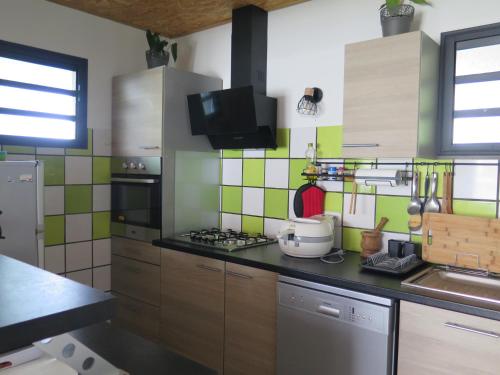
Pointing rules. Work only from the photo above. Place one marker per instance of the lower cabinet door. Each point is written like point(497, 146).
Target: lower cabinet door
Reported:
point(192, 308)
point(434, 341)
point(137, 317)
point(250, 345)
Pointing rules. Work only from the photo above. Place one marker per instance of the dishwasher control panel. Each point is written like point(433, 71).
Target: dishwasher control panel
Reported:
point(331, 306)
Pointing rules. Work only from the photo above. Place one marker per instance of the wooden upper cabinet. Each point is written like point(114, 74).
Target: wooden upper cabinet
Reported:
point(390, 97)
point(137, 113)
point(250, 345)
point(434, 341)
point(192, 308)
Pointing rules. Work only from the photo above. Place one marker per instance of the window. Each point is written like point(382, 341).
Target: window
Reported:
point(43, 97)
point(470, 91)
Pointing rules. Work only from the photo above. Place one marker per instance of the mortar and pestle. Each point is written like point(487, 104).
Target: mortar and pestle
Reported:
point(371, 240)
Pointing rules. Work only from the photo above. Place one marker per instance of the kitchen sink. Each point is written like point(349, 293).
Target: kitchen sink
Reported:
point(457, 284)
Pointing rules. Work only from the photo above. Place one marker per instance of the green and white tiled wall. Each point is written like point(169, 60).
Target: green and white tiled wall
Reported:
point(77, 208)
point(258, 187)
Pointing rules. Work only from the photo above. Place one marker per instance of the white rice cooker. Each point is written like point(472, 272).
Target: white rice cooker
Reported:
point(307, 238)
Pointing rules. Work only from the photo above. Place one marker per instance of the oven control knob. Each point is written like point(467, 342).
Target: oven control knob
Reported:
point(124, 165)
point(141, 166)
point(132, 165)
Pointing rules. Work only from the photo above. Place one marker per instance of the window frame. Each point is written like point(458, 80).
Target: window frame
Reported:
point(56, 60)
point(447, 81)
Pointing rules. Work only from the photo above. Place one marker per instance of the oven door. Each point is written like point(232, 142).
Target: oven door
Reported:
point(136, 200)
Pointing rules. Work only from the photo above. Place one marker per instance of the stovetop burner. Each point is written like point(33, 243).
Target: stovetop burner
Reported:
point(228, 240)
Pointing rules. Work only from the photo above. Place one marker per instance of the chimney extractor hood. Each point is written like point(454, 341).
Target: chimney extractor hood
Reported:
point(242, 116)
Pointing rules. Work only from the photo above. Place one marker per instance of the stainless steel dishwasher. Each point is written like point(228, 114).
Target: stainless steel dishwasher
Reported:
point(324, 330)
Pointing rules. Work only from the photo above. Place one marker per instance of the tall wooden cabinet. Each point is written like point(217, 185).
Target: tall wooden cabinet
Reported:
point(434, 341)
point(390, 96)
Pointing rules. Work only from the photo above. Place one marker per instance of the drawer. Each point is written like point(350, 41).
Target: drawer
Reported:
point(136, 279)
point(138, 250)
point(138, 317)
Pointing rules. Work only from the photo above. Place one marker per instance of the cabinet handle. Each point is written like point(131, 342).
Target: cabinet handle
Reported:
point(149, 147)
point(240, 275)
point(359, 145)
point(207, 268)
point(472, 330)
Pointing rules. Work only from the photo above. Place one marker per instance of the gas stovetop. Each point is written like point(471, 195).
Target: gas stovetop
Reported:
point(228, 240)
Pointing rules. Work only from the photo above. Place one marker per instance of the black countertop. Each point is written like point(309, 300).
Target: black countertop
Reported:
point(134, 354)
point(345, 275)
point(35, 304)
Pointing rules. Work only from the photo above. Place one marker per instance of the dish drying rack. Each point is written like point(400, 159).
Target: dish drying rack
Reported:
point(383, 262)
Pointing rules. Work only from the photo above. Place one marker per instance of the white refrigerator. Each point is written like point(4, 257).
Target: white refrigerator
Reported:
point(21, 211)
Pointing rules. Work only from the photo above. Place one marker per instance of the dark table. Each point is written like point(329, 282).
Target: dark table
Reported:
point(35, 304)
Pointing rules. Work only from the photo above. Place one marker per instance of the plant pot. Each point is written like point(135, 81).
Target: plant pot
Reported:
point(397, 20)
point(155, 59)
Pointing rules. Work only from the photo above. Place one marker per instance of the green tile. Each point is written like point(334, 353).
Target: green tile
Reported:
point(356, 164)
point(329, 142)
point(351, 239)
point(252, 224)
point(232, 153)
point(474, 208)
point(82, 151)
point(101, 170)
point(394, 208)
point(18, 149)
point(77, 199)
point(231, 199)
point(296, 168)
point(101, 222)
point(54, 169)
point(423, 171)
point(54, 230)
point(417, 238)
point(276, 203)
point(253, 172)
point(283, 149)
point(334, 202)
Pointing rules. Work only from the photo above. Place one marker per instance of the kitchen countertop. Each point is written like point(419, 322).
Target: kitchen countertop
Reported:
point(134, 354)
point(35, 304)
point(346, 275)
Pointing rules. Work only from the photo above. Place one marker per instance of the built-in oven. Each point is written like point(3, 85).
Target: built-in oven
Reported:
point(136, 199)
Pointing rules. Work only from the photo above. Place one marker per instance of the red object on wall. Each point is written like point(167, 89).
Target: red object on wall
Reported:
point(309, 201)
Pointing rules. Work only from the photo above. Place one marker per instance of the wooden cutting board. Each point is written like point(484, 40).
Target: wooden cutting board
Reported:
point(463, 241)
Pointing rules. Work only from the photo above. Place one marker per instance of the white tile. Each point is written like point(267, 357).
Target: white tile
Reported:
point(337, 228)
point(291, 197)
point(253, 201)
point(101, 250)
point(54, 200)
point(101, 142)
point(49, 151)
point(272, 227)
point(78, 256)
point(231, 221)
point(475, 182)
point(20, 157)
point(54, 259)
point(102, 278)
point(78, 227)
point(386, 236)
point(78, 170)
point(404, 190)
point(101, 197)
point(299, 138)
point(232, 170)
point(83, 277)
point(277, 173)
point(253, 153)
point(365, 212)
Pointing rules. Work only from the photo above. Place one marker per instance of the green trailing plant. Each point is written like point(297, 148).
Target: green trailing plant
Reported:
point(392, 5)
point(160, 46)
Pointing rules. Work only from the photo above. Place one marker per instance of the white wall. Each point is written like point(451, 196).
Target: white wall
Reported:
point(306, 47)
point(111, 48)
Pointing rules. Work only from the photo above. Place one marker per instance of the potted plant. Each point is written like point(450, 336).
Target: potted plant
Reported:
point(158, 54)
point(396, 16)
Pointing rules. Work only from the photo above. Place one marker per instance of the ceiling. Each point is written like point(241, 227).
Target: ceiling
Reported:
point(171, 18)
